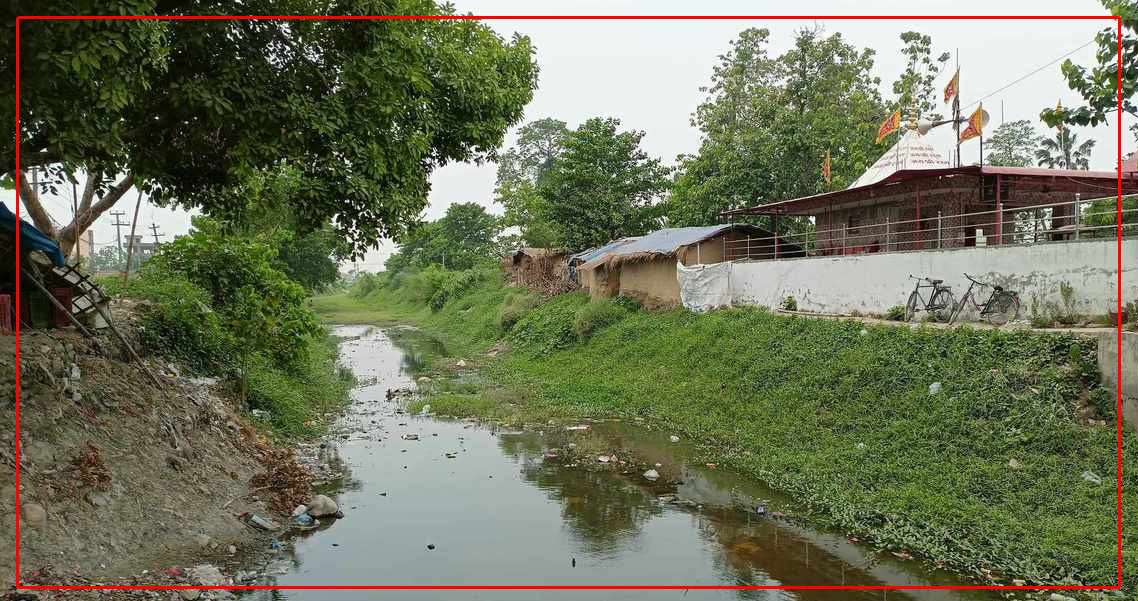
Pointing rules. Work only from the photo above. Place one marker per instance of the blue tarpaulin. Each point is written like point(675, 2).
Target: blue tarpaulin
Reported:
point(30, 237)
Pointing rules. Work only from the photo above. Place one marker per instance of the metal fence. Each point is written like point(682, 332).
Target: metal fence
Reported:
point(1050, 223)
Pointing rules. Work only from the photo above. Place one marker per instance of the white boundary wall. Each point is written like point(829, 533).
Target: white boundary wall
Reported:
point(872, 283)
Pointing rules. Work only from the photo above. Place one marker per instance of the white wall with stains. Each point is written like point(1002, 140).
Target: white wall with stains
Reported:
point(873, 283)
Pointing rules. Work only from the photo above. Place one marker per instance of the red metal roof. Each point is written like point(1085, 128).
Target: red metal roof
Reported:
point(1105, 180)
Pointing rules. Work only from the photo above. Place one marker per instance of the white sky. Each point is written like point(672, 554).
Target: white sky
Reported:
point(648, 73)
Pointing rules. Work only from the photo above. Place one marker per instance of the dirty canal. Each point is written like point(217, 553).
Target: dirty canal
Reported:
point(468, 504)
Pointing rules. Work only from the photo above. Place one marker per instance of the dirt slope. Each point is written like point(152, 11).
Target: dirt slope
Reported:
point(130, 476)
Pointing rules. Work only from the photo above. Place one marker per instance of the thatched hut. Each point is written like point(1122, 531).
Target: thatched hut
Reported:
point(645, 268)
point(542, 269)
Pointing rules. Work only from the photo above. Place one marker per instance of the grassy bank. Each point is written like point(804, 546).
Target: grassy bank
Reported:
point(962, 446)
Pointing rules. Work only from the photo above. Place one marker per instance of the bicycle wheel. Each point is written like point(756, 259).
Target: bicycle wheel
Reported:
point(942, 305)
point(1003, 307)
point(912, 306)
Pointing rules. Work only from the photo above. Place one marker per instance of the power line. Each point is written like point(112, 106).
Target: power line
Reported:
point(1042, 67)
point(119, 224)
point(154, 231)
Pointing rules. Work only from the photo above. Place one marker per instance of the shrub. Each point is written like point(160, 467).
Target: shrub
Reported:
point(596, 315)
point(517, 304)
point(179, 322)
point(550, 326)
point(895, 313)
point(789, 304)
point(452, 286)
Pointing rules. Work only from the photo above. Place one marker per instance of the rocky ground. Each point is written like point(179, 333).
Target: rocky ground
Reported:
point(125, 480)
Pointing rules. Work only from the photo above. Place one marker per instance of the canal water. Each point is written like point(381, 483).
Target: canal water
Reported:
point(469, 504)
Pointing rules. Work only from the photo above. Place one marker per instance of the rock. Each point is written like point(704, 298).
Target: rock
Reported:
point(604, 458)
point(206, 575)
point(98, 499)
point(321, 505)
point(232, 549)
point(190, 593)
point(934, 388)
point(674, 438)
point(1092, 477)
point(431, 547)
point(33, 514)
point(1015, 464)
point(460, 363)
point(1058, 597)
point(651, 474)
point(39, 453)
point(202, 540)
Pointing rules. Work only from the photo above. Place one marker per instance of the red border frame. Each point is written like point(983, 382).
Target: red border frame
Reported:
point(1118, 168)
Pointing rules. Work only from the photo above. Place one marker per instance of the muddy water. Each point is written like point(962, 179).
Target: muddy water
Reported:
point(502, 511)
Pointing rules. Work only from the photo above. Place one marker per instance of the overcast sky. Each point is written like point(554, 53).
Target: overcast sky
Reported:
point(648, 73)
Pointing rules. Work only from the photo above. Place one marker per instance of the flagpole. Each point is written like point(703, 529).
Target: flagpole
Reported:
point(956, 108)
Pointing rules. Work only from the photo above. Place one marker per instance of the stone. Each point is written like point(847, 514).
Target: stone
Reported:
point(651, 474)
point(33, 514)
point(98, 499)
point(190, 594)
point(201, 540)
point(1015, 464)
point(674, 438)
point(39, 453)
point(321, 505)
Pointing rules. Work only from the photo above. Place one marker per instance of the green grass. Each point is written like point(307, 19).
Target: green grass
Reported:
point(842, 420)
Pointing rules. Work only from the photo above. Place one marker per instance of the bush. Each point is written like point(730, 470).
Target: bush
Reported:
point(596, 315)
point(452, 286)
point(298, 397)
point(179, 322)
point(789, 304)
point(895, 313)
point(365, 284)
point(550, 326)
point(517, 304)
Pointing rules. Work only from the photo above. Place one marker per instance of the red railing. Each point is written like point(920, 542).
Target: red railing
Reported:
point(1058, 222)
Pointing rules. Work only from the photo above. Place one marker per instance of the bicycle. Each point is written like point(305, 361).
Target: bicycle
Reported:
point(1001, 307)
point(940, 304)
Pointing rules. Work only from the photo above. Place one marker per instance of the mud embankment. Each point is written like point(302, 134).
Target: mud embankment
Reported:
point(123, 481)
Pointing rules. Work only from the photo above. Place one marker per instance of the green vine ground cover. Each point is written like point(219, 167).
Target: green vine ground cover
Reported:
point(984, 476)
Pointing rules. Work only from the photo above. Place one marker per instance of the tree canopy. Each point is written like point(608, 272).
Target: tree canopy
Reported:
point(1064, 151)
point(768, 122)
point(915, 87)
point(462, 238)
point(1013, 144)
point(192, 111)
point(520, 170)
point(1098, 84)
point(601, 186)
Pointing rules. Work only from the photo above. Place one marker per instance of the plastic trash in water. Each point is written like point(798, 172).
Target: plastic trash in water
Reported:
point(761, 509)
point(275, 545)
point(304, 521)
point(409, 436)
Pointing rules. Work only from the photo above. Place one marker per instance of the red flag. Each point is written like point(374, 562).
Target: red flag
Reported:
point(890, 125)
point(975, 127)
point(953, 87)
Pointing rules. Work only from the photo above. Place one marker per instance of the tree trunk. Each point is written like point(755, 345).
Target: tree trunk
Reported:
point(31, 198)
point(90, 211)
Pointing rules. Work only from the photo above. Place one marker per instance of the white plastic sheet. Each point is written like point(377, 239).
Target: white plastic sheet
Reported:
point(705, 287)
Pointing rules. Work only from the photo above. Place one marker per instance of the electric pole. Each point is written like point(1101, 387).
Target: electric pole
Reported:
point(154, 231)
point(119, 224)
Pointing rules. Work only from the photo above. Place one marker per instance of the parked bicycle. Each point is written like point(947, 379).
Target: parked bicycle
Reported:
point(1001, 307)
point(940, 304)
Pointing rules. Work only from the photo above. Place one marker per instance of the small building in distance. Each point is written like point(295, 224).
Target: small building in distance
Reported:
point(644, 268)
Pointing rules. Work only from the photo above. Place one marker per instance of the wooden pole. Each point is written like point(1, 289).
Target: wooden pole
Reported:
point(130, 242)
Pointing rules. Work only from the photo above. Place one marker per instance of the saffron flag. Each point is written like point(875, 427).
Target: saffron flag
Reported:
point(826, 167)
point(890, 125)
point(953, 87)
point(975, 127)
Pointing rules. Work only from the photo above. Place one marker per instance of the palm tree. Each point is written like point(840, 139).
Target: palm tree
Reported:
point(1064, 151)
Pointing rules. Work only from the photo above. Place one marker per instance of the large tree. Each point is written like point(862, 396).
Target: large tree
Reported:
point(520, 169)
point(1013, 144)
point(191, 111)
point(915, 88)
point(602, 186)
point(1098, 84)
point(768, 122)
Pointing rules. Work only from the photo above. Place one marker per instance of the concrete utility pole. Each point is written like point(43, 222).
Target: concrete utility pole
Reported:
point(119, 224)
point(154, 231)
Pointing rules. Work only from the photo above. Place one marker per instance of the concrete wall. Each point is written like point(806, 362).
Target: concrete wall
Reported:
point(873, 283)
point(1108, 367)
